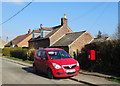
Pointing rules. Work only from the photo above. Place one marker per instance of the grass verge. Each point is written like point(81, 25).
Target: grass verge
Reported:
point(115, 79)
point(17, 59)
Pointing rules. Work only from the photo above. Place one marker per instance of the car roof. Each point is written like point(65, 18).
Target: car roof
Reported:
point(51, 49)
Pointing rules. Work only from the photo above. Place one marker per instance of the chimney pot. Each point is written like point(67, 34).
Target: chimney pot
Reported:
point(64, 20)
point(40, 25)
point(65, 16)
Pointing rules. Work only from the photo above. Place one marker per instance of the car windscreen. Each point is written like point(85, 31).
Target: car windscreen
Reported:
point(58, 54)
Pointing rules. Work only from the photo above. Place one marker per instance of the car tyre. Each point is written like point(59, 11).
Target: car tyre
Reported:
point(35, 69)
point(50, 74)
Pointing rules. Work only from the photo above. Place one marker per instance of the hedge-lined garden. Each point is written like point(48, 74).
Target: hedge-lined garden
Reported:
point(107, 57)
point(18, 52)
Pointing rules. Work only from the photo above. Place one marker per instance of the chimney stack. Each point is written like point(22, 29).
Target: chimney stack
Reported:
point(29, 31)
point(33, 34)
point(64, 20)
point(41, 31)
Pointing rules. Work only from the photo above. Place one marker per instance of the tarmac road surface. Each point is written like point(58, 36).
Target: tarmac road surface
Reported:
point(13, 73)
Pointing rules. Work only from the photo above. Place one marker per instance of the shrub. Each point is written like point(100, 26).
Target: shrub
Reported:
point(107, 57)
point(31, 54)
point(6, 51)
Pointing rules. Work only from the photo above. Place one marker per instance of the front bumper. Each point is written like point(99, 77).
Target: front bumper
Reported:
point(62, 72)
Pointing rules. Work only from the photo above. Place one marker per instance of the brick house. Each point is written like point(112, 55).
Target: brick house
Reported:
point(61, 36)
point(74, 41)
point(22, 40)
point(55, 33)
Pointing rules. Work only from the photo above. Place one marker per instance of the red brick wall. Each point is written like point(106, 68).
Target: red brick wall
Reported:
point(63, 30)
point(39, 44)
point(80, 42)
point(25, 41)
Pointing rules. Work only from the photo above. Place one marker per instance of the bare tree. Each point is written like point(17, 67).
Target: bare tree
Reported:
point(115, 36)
point(99, 34)
point(102, 35)
point(119, 31)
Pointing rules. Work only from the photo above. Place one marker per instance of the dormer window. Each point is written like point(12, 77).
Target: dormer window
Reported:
point(35, 34)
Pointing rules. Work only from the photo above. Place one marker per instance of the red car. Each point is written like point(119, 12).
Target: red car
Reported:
point(55, 62)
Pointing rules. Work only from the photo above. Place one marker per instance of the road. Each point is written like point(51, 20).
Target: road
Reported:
point(13, 73)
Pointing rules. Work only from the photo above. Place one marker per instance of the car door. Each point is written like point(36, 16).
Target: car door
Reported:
point(38, 60)
point(44, 61)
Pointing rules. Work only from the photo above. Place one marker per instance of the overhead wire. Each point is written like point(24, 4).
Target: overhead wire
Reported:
point(92, 11)
point(87, 12)
point(99, 16)
point(16, 13)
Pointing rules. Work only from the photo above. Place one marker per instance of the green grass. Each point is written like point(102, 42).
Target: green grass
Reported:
point(115, 79)
point(17, 59)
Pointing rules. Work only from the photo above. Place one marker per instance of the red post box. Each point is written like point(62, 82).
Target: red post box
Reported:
point(91, 55)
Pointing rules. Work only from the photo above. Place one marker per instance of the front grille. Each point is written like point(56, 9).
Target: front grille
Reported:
point(58, 73)
point(69, 66)
point(69, 73)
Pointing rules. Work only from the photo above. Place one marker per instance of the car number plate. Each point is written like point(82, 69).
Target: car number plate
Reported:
point(68, 71)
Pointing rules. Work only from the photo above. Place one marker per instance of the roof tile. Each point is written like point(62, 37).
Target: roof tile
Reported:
point(68, 39)
point(18, 39)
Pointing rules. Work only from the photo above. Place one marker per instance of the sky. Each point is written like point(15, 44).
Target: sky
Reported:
point(90, 16)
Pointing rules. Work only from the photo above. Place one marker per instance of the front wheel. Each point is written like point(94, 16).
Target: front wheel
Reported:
point(34, 68)
point(50, 74)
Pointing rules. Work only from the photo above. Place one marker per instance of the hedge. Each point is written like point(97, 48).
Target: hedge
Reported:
point(19, 53)
point(0, 50)
point(16, 52)
point(6, 50)
point(107, 57)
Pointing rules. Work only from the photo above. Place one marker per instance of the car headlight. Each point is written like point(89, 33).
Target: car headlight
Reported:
point(56, 66)
point(77, 64)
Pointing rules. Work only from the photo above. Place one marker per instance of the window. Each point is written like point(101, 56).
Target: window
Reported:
point(58, 54)
point(39, 53)
point(43, 55)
